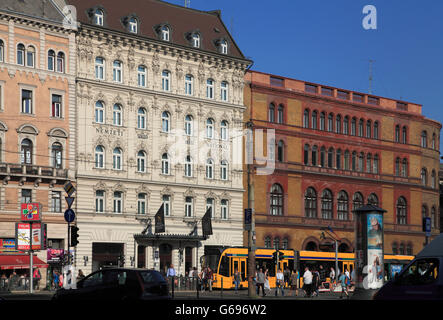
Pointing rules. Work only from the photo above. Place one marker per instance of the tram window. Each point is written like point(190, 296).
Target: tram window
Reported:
point(224, 266)
point(291, 264)
point(243, 270)
point(266, 264)
point(234, 266)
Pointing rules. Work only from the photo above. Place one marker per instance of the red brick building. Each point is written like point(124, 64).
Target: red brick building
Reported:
point(336, 150)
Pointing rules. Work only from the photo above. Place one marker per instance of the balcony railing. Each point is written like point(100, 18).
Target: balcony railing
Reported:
point(17, 169)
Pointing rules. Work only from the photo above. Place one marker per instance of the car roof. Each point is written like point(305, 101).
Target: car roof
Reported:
point(434, 249)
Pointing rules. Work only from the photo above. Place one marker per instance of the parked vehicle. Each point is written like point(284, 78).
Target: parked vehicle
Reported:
point(117, 284)
point(421, 279)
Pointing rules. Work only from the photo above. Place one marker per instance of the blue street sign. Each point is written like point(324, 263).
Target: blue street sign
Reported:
point(428, 226)
point(69, 215)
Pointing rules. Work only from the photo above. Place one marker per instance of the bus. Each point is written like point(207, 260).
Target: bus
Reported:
point(224, 260)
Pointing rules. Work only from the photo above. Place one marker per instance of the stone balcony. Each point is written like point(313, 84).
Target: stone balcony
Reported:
point(32, 173)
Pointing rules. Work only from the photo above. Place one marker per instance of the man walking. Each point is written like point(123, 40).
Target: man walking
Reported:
point(280, 283)
point(261, 282)
point(307, 282)
point(344, 279)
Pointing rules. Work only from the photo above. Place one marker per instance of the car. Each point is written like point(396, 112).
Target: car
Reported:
point(117, 284)
point(421, 279)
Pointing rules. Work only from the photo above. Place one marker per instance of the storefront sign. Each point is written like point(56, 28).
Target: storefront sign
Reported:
point(7, 246)
point(30, 212)
point(55, 255)
point(23, 236)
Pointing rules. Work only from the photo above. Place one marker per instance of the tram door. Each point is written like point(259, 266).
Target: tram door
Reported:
point(347, 266)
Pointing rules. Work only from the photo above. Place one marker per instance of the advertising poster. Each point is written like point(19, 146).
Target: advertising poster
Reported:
point(395, 269)
point(55, 255)
point(30, 212)
point(375, 251)
point(23, 231)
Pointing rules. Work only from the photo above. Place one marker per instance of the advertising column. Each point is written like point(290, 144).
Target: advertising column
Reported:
point(369, 264)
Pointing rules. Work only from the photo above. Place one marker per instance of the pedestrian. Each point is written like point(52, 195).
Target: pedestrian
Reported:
point(237, 279)
point(287, 276)
point(344, 280)
point(80, 275)
point(267, 286)
point(261, 282)
point(294, 282)
point(332, 275)
point(347, 273)
point(315, 281)
point(322, 273)
point(36, 278)
point(55, 279)
point(280, 283)
point(307, 282)
point(202, 277)
point(60, 279)
point(209, 277)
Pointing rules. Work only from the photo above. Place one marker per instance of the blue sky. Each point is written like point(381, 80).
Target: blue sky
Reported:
point(323, 41)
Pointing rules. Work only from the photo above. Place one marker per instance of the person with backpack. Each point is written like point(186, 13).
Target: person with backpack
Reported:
point(345, 282)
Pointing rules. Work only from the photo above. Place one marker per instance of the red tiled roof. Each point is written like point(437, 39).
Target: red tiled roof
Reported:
point(151, 13)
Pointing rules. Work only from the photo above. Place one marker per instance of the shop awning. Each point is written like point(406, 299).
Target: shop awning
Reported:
point(20, 262)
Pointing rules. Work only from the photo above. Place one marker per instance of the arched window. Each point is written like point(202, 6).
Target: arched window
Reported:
point(141, 161)
point(409, 250)
point(189, 207)
point(368, 129)
point(376, 130)
point(360, 127)
point(224, 170)
point(268, 243)
point(397, 133)
point(433, 179)
point(346, 160)
point(117, 115)
point(394, 248)
point(330, 122)
point(276, 200)
point(424, 139)
point(322, 157)
point(142, 75)
point(99, 112)
point(133, 25)
point(331, 157)
point(306, 155)
point(2, 51)
point(117, 159)
point(277, 243)
point(26, 151)
point(189, 85)
point(165, 163)
point(21, 54)
point(397, 167)
point(311, 203)
point(376, 164)
point(314, 155)
point(346, 125)
point(361, 162)
point(188, 166)
point(141, 203)
point(322, 121)
point(61, 62)
point(166, 80)
point(314, 120)
point(353, 126)
point(51, 60)
point(141, 118)
point(338, 124)
point(210, 88)
point(209, 169)
point(342, 206)
point(165, 33)
point(326, 204)
point(357, 201)
point(433, 141)
point(285, 244)
point(224, 47)
point(338, 159)
point(117, 71)
point(224, 91)
point(424, 177)
point(56, 155)
point(210, 128)
point(369, 163)
point(98, 17)
point(196, 40)
point(99, 157)
point(280, 151)
point(30, 57)
point(99, 68)
point(188, 125)
point(373, 199)
point(224, 130)
point(401, 250)
point(433, 218)
point(404, 136)
point(165, 121)
point(118, 202)
point(280, 118)
point(424, 211)
point(354, 161)
point(271, 113)
point(306, 119)
point(404, 168)
point(401, 211)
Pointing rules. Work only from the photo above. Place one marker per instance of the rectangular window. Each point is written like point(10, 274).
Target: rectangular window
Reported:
point(141, 203)
point(99, 201)
point(224, 209)
point(210, 204)
point(167, 205)
point(26, 196)
point(26, 101)
point(56, 203)
point(118, 202)
point(56, 111)
point(188, 207)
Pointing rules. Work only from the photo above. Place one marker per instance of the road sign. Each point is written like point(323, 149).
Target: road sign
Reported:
point(427, 226)
point(69, 188)
point(69, 215)
point(69, 201)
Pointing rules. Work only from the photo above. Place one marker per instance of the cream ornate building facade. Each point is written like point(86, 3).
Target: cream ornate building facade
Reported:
point(159, 122)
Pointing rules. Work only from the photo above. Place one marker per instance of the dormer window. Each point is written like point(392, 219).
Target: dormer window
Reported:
point(98, 17)
point(165, 33)
point(196, 40)
point(133, 25)
point(223, 47)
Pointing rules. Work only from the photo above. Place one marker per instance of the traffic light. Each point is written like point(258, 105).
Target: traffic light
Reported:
point(274, 257)
point(280, 255)
point(74, 236)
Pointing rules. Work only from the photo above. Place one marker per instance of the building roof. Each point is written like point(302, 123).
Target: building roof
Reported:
point(152, 13)
point(41, 9)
